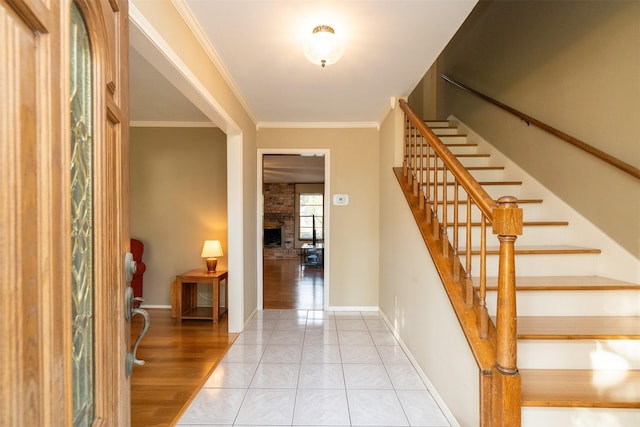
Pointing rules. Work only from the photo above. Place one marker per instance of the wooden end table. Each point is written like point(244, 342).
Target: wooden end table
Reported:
point(187, 295)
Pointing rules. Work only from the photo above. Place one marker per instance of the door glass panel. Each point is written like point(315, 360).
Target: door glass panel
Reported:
point(82, 221)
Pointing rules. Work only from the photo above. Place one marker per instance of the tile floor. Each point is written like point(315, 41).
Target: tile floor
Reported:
point(314, 368)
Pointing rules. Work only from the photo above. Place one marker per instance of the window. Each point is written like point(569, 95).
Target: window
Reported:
point(311, 215)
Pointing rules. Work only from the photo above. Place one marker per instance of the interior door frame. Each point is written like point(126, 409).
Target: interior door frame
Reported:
point(326, 220)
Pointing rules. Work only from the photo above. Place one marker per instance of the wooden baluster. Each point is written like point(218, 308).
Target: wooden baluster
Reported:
point(407, 129)
point(417, 168)
point(428, 209)
point(423, 146)
point(443, 228)
point(484, 314)
point(411, 151)
point(456, 236)
point(468, 282)
point(435, 231)
point(507, 224)
point(414, 135)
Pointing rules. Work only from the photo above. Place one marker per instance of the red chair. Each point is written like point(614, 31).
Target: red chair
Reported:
point(137, 248)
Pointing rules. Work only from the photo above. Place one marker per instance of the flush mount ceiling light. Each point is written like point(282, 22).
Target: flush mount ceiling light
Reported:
point(323, 48)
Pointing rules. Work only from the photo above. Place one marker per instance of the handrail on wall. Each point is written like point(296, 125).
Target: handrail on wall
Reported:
point(623, 166)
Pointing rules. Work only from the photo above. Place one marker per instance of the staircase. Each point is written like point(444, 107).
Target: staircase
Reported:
point(578, 339)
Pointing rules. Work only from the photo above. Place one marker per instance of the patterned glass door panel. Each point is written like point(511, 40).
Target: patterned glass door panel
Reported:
point(82, 222)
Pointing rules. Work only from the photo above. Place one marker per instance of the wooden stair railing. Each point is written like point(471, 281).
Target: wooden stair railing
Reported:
point(614, 161)
point(427, 167)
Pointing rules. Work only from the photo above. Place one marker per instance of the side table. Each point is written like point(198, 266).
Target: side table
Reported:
point(187, 295)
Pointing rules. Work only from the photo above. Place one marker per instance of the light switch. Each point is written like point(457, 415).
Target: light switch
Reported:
point(340, 199)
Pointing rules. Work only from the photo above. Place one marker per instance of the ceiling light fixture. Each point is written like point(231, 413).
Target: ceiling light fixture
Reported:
point(324, 48)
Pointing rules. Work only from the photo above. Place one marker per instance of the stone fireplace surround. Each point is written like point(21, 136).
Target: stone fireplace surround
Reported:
point(279, 212)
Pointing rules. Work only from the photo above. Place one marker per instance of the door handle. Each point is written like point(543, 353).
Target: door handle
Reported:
point(130, 311)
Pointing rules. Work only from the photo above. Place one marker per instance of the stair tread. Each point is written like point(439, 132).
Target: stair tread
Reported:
point(453, 135)
point(486, 183)
point(525, 223)
point(472, 155)
point(539, 250)
point(565, 283)
point(520, 201)
point(579, 327)
point(581, 388)
point(478, 168)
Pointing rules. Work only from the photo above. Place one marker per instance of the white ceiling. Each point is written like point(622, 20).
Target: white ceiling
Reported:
point(388, 46)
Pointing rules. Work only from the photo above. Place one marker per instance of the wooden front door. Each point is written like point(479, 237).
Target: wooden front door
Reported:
point(64, 214)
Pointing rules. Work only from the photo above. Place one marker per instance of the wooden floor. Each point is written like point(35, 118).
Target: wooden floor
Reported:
point(287, 285)
point(179, 358)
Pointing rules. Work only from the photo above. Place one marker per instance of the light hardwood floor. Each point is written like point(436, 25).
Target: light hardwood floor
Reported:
point(179, 358)
point(287, 285)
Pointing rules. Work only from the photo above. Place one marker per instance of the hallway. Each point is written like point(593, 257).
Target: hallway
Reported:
point(288, 285)
point(304, 368)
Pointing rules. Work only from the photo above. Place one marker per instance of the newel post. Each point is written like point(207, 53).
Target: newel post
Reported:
point(507, 224)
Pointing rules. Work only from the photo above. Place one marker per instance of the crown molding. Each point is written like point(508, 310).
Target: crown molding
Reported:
point(166, 124)
point(146, 39)
point(197, 31)
point(317, 125)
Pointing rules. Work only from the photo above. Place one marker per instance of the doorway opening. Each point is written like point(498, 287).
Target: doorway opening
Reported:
point(293, 219)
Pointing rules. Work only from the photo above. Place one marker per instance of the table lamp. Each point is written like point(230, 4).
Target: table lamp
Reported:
point(211, 250)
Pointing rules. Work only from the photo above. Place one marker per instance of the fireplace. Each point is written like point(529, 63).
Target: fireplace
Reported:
point(273, 237)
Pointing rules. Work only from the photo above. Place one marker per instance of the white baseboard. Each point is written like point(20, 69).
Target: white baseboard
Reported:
point(249, 319)
point(443, 406)
point(351, 308)
point(155, 306)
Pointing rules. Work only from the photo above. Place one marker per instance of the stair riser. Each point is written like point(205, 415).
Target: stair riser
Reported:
point(580, 417)
point(446, 138)
point(542, 265)
point(494, 191)
point(453, 139)
point(573, 303)
point(437, 123)
point(456, 150)
point(448, 131)
point(533, 235)
point(466, 161)
point(579, 354)
point(479, 175)
point(532, 212)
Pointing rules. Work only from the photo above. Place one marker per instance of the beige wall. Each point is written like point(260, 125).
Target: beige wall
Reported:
point(353, 254)
point(411, 293)
point(178, 199)
point(573, 65)
point(422, 99)
point(166, 20)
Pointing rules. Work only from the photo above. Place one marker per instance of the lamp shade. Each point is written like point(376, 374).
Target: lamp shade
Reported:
point(211, 249)
point(324, 47)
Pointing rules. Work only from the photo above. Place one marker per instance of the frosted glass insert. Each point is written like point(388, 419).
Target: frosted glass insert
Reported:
point(82, 222)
